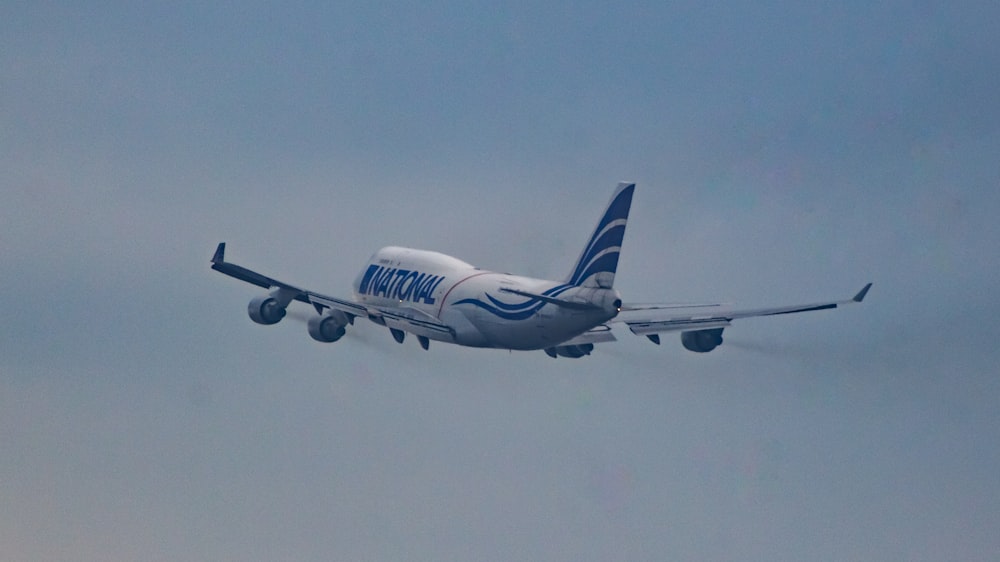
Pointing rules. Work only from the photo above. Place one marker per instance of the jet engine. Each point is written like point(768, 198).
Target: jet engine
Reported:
point(266, 310)
point(702, 341)
point(572, 351)
point(329, 327)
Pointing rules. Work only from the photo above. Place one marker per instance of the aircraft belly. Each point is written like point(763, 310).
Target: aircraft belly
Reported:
point(537, 332)
point(466, 331)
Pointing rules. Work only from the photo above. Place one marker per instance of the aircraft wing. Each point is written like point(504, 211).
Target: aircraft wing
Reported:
point(401, 318)
point(406, 319)
point(649, 320)
point(319, 301)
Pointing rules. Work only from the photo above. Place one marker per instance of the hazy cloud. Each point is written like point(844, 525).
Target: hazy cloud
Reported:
point(783, 153)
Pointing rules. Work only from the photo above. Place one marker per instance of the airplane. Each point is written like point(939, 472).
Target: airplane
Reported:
point(442, 298)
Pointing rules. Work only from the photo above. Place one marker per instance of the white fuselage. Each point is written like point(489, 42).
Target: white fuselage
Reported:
point(477, 304)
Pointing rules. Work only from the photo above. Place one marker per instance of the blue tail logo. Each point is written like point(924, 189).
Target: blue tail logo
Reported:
point(599, 260)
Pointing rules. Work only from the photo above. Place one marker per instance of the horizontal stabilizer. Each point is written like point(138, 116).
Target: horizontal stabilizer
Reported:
point(551, 300)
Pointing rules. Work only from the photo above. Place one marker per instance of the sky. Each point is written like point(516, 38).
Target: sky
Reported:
point(784, 153)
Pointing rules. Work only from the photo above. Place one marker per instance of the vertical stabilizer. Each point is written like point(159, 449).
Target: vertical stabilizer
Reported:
point(599, 260)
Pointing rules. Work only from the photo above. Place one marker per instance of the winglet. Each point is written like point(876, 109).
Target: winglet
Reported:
point(861, 294)
point(220, 253)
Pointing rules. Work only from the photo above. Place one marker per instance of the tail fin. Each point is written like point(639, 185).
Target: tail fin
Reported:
point(599, 259)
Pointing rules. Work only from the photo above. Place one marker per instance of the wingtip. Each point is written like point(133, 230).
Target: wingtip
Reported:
point(220, 253)
point(861, 294)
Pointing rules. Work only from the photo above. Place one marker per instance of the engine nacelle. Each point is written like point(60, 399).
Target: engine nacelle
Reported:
point(266, 310)
point(328, 328)
point(702, 341)
point(571, 351)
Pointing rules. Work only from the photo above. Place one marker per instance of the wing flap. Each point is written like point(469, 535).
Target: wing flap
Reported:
point(597, 334)
point(415, 322)
point(676, 325)
point(323, 301)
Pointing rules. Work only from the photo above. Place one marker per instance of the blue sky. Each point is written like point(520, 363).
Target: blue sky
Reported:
point(783, 153)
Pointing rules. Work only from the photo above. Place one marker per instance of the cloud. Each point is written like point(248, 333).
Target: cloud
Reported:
point(783, 154)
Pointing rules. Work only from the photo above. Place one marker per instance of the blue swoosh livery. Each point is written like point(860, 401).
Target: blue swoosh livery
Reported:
point(515, 311)
point(599, 261)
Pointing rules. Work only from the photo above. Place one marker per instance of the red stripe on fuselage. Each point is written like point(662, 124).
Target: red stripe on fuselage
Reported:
point(444, 299)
